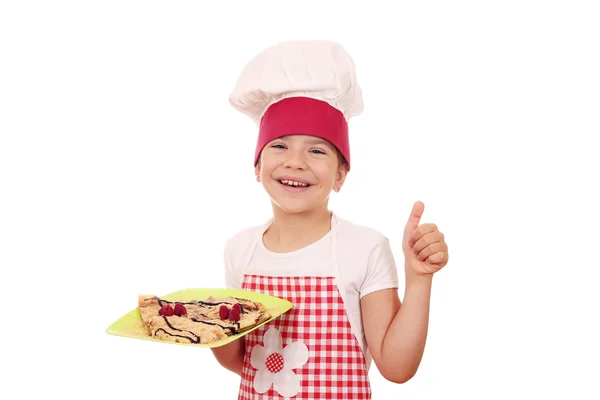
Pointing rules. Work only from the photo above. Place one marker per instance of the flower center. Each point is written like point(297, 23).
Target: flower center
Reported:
point(274, 362)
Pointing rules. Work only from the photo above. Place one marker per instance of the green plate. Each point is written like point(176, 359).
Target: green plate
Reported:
point(130, 324)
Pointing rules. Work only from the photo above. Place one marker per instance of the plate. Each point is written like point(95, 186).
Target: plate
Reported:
point(130, 324)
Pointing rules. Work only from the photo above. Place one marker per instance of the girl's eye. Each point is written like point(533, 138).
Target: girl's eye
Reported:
point(317, 151)
point(278, 146)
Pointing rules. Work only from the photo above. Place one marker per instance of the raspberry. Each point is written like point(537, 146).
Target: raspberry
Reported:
point(166, 310)
point(180, 310)
point(234, 314)
point(223, 312)
point(238, 307)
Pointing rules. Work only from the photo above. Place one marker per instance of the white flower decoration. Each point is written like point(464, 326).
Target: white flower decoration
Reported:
point(275, 365)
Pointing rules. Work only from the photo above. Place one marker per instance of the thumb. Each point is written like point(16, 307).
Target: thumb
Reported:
point(414, 219)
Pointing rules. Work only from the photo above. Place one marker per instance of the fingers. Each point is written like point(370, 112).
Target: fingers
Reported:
point(439, 258)
point(430, 250)
point(421, 232)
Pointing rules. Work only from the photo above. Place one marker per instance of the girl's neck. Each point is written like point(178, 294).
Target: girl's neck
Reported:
point(290, 232)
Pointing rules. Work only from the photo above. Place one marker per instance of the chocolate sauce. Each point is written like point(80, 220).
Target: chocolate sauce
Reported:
point(161, 301)
point(229, 328)
point(206, 303)
point(179, 330)
point(184, 337)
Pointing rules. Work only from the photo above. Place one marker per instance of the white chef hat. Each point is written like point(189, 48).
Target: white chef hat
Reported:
point(300, 87)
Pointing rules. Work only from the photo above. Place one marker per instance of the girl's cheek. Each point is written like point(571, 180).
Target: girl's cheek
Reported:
point(269, 161)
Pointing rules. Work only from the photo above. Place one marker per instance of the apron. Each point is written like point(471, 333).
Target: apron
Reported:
point(310, 352)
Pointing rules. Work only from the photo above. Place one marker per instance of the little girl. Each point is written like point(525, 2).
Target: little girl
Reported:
point(340, 277)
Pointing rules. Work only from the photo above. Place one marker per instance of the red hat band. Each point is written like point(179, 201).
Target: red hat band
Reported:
point(304, 116)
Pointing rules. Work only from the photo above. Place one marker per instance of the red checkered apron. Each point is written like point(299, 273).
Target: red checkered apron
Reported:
point(336, 366)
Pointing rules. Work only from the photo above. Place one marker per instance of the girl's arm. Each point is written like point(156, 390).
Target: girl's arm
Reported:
point(396, 332)
point(231, 356)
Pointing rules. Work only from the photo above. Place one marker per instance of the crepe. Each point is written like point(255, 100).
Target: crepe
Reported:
point(199, 321)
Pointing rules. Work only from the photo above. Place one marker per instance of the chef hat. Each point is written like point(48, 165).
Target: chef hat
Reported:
point(300, 87)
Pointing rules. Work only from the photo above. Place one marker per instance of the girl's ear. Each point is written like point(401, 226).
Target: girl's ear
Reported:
point(257, 171)
point(340, 177)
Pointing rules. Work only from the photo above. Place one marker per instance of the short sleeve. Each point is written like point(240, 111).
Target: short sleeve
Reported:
point(232, 276)
point(381, 269)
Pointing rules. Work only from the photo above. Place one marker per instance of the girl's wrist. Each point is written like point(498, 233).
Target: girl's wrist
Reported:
point(412, 278)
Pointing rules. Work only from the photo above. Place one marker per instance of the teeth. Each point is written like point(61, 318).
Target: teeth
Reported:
point(293, 183)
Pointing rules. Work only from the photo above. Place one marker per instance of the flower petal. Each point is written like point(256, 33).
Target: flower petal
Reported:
point(295, 355)
point(263, 380)
point(286, 383)
point(258, 357)
point(272, 341)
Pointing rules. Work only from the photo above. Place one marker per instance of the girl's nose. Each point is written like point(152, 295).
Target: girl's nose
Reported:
point(295, 159)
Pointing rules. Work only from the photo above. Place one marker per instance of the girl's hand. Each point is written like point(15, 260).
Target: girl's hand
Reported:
point(425, 250)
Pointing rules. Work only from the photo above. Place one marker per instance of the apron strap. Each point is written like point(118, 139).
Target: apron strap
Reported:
point(342, 287)
point(334, 258)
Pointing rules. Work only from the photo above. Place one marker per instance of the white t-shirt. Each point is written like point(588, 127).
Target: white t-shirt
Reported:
point(365, 259)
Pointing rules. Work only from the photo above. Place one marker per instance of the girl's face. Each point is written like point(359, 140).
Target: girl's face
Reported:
point(299, 172)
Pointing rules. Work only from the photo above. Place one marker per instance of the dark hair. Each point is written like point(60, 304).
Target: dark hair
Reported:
point(341, 158)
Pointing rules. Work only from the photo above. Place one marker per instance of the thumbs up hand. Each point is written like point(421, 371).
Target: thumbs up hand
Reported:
point(425, 250)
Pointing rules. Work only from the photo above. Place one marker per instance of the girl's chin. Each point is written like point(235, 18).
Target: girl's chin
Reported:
point(295, 207)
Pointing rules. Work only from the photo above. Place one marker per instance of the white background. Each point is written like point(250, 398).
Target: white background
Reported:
point(123, 170)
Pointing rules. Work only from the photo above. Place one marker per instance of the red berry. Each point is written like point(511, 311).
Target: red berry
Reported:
point(180, 310)
point(234, 314)
point(166, 310)
point(238, 307)
point(223, 312)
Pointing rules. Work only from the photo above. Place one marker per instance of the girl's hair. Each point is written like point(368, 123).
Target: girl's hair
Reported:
point(341, 158)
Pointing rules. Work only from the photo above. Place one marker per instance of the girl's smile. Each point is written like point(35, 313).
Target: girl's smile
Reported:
point(293, 184)
point(294, 188)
